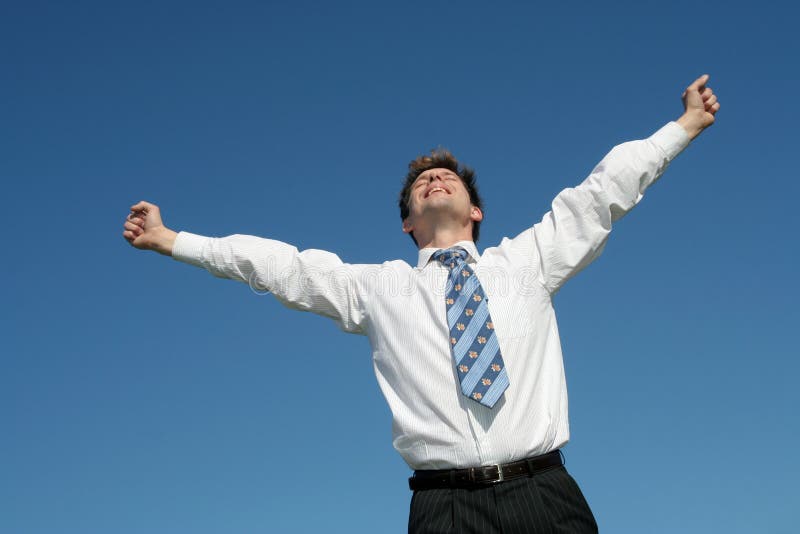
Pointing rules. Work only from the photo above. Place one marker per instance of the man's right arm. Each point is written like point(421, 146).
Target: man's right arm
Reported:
point(311, 280)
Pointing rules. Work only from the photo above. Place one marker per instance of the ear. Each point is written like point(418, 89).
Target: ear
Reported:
point(407, 226)
point(475, 214)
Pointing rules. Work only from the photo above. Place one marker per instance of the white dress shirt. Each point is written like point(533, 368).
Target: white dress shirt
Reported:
point(401, 309)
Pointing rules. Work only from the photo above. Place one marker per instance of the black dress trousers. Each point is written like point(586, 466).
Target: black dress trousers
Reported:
point(548, 502)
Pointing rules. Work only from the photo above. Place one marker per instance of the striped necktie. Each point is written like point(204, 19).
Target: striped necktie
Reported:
point(473, 342)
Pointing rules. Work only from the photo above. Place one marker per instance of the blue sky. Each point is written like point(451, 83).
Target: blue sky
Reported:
point(138, 394)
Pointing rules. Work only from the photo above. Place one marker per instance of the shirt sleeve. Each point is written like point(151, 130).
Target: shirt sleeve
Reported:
point(311, 280)
point(574, 232)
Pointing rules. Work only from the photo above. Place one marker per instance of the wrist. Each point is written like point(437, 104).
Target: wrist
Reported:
point(164, 242)
point(692, 122)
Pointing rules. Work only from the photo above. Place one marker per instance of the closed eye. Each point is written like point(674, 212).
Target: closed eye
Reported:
point(447, 175)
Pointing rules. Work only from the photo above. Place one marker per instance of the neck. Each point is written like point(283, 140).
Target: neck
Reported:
point(442, 236)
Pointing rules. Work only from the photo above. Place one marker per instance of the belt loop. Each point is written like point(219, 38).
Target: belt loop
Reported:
point(531, 468)
point(563, 459)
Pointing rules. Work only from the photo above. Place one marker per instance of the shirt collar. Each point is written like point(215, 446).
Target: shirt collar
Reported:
point(426, 253)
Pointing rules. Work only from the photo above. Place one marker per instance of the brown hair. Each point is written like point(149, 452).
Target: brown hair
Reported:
point(440, 158)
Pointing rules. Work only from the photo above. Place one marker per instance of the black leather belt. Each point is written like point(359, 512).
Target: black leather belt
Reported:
point(475, 477)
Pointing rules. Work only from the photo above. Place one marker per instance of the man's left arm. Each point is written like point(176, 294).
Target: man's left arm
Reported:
point(575, 231)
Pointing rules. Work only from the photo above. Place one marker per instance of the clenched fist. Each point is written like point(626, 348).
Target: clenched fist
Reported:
point(145, 230)
point(700, 105)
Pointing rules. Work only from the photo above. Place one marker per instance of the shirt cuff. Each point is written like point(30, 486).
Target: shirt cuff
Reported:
point(671, 138)
point(188, 248)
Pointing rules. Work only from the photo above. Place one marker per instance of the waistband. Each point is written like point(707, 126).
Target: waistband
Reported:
point(475, 477)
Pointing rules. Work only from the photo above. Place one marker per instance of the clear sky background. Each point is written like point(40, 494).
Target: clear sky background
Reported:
point(141, 395)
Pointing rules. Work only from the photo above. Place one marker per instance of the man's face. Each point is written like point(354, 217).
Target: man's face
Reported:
point(439, 193)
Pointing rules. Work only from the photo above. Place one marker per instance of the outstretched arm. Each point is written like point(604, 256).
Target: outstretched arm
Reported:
point(574, 232)
point(311, 280)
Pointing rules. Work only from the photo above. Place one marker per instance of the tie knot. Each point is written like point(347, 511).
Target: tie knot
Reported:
point(451, 256)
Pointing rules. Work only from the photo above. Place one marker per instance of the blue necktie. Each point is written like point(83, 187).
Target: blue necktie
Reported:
point(473, 342)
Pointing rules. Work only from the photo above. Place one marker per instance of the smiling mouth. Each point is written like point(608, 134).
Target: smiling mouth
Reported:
point(434, 190)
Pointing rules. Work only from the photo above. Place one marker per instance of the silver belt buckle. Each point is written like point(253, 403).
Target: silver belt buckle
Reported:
point(472, 470)
point(500, 477)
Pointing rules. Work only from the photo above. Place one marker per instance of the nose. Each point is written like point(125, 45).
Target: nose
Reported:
point(434, 176)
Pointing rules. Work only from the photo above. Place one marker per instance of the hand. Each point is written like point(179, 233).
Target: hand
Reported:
point(145, 230)
point(700, 105)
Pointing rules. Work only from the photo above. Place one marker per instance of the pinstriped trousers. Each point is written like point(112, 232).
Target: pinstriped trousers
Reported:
point(548, 502)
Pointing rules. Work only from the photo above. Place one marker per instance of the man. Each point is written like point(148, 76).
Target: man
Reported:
point(465, 345)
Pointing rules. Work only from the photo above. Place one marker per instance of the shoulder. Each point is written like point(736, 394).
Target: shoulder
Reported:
point(515, 249)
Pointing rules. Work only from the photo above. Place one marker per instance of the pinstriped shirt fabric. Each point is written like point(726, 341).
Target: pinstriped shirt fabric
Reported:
point(401, 309)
